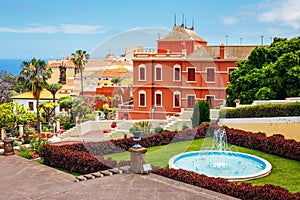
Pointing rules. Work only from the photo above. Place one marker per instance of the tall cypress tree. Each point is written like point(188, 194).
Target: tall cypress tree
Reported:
point(201, 113)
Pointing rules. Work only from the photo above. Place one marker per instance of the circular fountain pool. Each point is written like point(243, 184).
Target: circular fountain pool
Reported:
point(233, 166)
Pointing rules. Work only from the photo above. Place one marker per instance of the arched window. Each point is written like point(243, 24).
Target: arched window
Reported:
point(142, 72)
point(158, 72)
point(176, 99)
point(142, 98)
point(191, 73)
point(158, 98)
point(177, 73)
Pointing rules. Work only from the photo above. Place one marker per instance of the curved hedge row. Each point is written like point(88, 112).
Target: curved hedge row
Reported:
point(87, 158)
point(275, 144)
point(242, 190)
point(265, 110)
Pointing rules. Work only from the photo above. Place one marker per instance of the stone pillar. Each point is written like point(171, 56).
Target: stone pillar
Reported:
point(9, 147)
point(137, 159)
point(57, 125)
point(3, 133)
point(21, 130)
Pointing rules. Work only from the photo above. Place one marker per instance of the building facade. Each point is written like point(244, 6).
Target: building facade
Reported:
point(181, 72)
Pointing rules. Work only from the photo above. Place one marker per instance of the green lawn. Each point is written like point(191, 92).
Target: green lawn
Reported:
point(285, 172)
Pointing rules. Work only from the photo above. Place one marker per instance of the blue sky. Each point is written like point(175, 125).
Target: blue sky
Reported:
point(56, 28)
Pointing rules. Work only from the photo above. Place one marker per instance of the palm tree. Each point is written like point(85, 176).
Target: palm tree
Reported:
point(53, 88)
point(33, 77)
point(80, 58)
point(118, 81)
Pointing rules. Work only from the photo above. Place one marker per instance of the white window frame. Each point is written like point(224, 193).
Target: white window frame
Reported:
point(187, 100)
point(145, 100)
point(187, 69)
point(214, 97)
point(158, 66)
point(207, 68)
point(161, 99)
point(177, 66)
point(142, 66)
point(174, 94)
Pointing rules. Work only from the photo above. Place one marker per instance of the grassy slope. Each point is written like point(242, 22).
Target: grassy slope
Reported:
point(285, 172)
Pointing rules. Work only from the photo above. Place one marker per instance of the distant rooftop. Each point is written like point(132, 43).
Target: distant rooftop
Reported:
point(182, 33)
point(231, 52)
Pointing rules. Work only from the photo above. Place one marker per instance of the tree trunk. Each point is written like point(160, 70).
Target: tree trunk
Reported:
point(81, 84)
point(53, 95)
point(38, 115)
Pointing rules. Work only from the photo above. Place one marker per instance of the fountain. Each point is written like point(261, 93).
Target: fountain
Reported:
point(221, 161)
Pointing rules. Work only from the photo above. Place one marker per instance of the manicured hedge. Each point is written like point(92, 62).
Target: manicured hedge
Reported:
point(275, 144)
point(87, 158)
point(264, 110)
point(242, 190)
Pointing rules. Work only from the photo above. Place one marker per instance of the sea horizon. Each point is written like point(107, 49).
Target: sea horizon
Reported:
point(14, 65)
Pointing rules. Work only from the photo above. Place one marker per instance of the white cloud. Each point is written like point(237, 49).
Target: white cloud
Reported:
point(30, 29)
point(286, 12)
point(229, 20)
point(81, 29)
point(64, 28)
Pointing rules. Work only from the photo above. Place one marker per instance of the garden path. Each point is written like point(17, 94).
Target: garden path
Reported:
point(24, 179)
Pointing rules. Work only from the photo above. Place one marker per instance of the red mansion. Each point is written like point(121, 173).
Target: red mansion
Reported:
point(181, 72)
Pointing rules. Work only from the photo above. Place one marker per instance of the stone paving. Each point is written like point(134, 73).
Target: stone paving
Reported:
point(24, 179)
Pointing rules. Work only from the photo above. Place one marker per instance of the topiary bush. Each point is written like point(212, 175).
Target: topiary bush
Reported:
point(201, 113)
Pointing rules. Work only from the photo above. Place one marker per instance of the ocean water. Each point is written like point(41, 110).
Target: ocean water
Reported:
point(11, 65)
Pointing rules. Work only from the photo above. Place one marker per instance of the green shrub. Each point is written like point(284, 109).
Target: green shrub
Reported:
point(201, 113)
point(158, 129)
point(66, 121)
point(25, 153)
point(89, 117)
point(184, 126)
point(36, 144)
point(45, 129)
point(265, 110)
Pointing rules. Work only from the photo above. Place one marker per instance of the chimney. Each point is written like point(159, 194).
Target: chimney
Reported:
point(222, 51)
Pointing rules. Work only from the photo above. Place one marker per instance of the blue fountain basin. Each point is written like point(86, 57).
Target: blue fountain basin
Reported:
point(233, 166)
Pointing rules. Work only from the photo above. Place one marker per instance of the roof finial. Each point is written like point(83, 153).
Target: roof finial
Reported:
point(182, 20)
point(192, 24)
point(175, 20)
point(185, 23)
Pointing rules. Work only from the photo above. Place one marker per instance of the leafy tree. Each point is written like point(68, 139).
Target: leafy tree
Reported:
point(268, 73)
point(48, 109)
point(201, 113)
point(13, 114)
point(66, 103)
point(75, 106)
point(53, 88)
point(8, 86)
point(4, 91)
point(117, 81)
point(80, 58)
point(34, 76)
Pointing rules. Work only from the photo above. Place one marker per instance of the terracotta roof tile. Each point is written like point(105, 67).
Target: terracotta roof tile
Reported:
point(231, 52)
point(182, 33)
point(45, 94)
